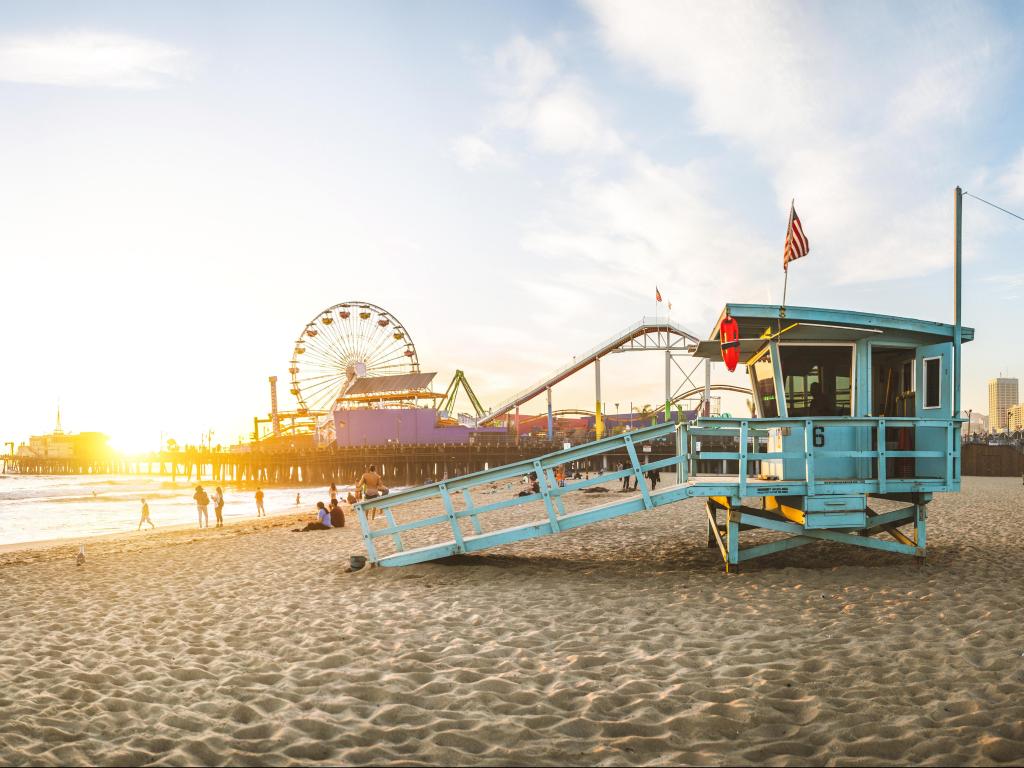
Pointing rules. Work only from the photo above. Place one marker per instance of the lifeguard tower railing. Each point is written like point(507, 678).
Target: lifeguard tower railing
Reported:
point(461, 524)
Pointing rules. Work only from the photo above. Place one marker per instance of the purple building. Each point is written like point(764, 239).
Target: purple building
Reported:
point(379, 426)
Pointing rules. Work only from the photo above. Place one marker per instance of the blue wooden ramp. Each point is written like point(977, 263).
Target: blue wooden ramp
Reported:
point(449, 518)
point(494, 507)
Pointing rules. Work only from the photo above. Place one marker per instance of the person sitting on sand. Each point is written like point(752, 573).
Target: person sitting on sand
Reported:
point(534, 485)
point(260, 512)
point(202, 504)
point(372, 485)
point(337, 514)
point(323, 520)
point(145, 516)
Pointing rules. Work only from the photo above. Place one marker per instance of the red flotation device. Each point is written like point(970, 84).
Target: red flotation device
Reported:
point(730, 336)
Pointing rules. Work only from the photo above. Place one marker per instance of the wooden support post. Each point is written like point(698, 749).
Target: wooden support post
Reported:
point(743, 458)
point(641, 482)
point(809, 455)
point(556, 491)
point(545, 491)
point(371, 549)
point(920, 529)
point(396, 537)
point(449, 508)
point(882, 473)
point(732, 562)
point(469, 507)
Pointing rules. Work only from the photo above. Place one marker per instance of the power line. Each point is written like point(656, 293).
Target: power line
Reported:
point(998, 208)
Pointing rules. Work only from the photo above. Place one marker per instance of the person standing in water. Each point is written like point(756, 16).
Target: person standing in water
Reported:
point(202, 505)
point(333, 490)
point(259, 503)
point(218, 506)
point(145, 516)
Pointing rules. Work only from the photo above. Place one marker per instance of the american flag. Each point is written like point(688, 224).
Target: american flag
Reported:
point(796, 241)
point(657, 294)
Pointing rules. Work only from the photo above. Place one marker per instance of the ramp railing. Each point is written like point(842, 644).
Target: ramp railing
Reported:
point(459, 504)
point(815, 431)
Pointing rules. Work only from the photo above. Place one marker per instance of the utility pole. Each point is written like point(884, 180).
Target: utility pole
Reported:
point(958, 199)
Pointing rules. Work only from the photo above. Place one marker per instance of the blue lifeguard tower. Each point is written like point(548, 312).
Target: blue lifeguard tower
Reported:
point(850, 409)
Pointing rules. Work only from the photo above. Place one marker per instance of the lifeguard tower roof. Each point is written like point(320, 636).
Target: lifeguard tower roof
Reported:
point(760, 323)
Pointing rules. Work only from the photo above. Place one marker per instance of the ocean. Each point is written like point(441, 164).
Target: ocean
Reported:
point(41, 508)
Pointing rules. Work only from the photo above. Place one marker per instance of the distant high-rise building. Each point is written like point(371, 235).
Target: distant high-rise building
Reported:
point(1002, 393)
point(1015, 417)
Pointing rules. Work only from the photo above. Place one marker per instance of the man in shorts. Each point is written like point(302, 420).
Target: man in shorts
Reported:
point(259, 503)
point(202, 504)
point(372, 486)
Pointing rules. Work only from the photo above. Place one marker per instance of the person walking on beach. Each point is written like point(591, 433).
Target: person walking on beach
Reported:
point(145, 516)
point(654, 475)
point(333, 490)
point(218, 506)
point(259, 503)
point(202, 504)
point(372, 486)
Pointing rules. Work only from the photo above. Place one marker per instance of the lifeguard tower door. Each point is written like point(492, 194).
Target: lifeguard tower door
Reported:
point(933, 400)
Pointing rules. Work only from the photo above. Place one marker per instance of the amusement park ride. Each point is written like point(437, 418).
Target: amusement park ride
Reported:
point(351, 355)
point(856, 427)
point(357, 355)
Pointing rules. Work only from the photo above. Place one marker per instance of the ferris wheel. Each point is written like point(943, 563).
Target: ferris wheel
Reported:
point(349, 341)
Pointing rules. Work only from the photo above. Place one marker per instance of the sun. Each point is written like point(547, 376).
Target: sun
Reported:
point(130, 442)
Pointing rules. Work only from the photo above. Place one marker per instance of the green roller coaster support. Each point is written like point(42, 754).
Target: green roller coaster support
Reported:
point(459, 379)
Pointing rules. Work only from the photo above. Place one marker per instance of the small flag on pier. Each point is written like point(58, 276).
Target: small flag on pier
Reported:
point(796, 241)
point(657, 294)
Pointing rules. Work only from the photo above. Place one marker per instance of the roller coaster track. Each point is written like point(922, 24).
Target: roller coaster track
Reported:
point(650, 333)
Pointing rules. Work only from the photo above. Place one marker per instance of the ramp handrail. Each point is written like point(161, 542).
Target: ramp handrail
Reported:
point(745, 428)
point(543, 466)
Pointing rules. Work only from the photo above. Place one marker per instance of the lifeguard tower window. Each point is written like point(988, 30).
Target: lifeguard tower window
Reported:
point(763, 375)
point(932, 388)
point(818, 379)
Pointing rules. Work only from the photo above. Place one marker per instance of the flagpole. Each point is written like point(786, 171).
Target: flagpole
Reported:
point(785, 266)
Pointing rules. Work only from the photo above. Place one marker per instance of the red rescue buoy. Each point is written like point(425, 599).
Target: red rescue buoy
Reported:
point(730, 336)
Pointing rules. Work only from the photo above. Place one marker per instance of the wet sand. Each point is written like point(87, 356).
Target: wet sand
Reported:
point(620, 643)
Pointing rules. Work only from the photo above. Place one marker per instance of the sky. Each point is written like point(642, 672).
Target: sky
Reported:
point(185, 185)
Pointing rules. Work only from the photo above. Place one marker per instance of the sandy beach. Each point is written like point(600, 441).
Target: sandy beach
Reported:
point(618, 644)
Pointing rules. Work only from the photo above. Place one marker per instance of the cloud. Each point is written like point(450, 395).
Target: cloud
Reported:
point(841, 106)
point(86, 59)
point(564, 120)
point(556, 110)
point(524, 67)
point(619, 235)
point(471, 152)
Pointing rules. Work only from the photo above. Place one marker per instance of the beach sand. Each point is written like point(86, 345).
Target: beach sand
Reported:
point(621, 643)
